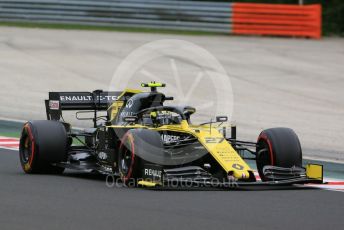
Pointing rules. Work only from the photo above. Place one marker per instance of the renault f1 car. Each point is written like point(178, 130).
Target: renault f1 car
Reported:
point(142, 141)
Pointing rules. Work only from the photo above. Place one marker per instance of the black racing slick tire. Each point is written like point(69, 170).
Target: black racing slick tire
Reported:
point(134, 144)
point(43, 143)
point(278, 147)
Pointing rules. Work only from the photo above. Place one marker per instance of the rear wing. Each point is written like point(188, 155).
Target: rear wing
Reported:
point(97, 100)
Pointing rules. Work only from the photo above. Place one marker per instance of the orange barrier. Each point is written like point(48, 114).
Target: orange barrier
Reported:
point(277, 19)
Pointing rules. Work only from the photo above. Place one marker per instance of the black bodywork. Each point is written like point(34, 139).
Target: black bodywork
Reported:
point(97, 147)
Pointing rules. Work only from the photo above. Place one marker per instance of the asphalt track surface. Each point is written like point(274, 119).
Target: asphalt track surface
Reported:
point(296, 83)
point(82, 201)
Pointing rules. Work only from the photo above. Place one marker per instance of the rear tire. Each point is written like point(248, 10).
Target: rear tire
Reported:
point(282, 147)
point(41, 144)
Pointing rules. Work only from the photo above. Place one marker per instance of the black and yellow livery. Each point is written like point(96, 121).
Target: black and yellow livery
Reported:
point(138, 138)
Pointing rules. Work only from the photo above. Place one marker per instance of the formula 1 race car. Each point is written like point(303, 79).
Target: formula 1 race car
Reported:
point(143, 142)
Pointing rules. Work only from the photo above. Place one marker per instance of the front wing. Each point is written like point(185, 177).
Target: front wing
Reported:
point(313, 174)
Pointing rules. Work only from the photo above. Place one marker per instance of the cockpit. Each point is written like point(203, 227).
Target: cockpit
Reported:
point(147, 108)
point(160, 118)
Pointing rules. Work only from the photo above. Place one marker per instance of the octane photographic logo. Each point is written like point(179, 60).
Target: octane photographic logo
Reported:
point(113, 181)
point(193, 77)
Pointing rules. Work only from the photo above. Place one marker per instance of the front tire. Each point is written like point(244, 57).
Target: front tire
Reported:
point(278, 147)
point(127, 159)
point(41, 144)
point(135, 145)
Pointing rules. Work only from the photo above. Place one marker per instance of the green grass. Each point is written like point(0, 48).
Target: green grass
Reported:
point(76, 142)
point(13, 129)
point(10, 129)
point(103, 28)
point(10, 134)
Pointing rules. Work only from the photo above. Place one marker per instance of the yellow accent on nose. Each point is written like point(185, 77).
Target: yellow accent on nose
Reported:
point(238, 174)
point(147, 183)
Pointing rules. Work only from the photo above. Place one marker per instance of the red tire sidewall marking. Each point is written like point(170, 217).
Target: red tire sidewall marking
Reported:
point(32, 145)
point(265, 138)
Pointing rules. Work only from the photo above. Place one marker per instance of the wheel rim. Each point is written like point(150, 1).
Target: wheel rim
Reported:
point(263, 157)
point(27, 150)
point(126, 161)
